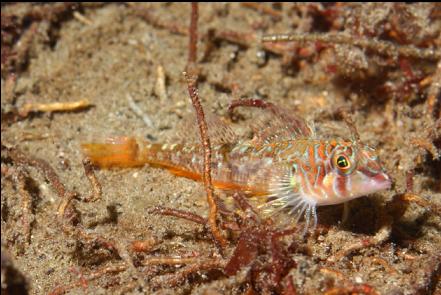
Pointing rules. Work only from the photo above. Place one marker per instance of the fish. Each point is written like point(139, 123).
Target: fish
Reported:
point(285, 162)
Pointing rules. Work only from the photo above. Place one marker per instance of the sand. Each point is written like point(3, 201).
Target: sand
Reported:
point(111, 56)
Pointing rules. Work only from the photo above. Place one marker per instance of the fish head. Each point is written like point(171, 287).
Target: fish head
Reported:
point(354, 170)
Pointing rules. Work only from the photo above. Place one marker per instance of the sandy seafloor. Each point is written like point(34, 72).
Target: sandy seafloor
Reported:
point(117, 55)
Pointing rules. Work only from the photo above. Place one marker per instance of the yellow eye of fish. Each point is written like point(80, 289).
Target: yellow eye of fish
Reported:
point(343, 162)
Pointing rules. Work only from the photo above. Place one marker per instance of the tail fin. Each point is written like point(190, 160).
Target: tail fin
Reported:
point(119, 152)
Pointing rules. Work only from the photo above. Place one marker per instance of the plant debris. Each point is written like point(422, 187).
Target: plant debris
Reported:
point(68, 227)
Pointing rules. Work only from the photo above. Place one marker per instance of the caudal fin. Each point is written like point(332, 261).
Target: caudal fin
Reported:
point(121, 152)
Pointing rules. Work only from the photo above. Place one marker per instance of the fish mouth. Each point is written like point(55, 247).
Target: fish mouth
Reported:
point(382, 181)
point(378, 183)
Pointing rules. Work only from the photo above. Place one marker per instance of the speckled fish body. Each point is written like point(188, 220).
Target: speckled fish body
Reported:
point(292, 168)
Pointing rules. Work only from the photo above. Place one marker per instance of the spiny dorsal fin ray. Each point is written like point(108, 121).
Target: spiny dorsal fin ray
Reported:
point(274, 123)
point(218, 131)
point(278, 124)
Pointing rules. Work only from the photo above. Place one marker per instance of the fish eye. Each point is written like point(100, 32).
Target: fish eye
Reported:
point(343, 163)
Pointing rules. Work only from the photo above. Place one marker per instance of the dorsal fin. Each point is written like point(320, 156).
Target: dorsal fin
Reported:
point(270, 127)
point(274, 123)
point(219, 132)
